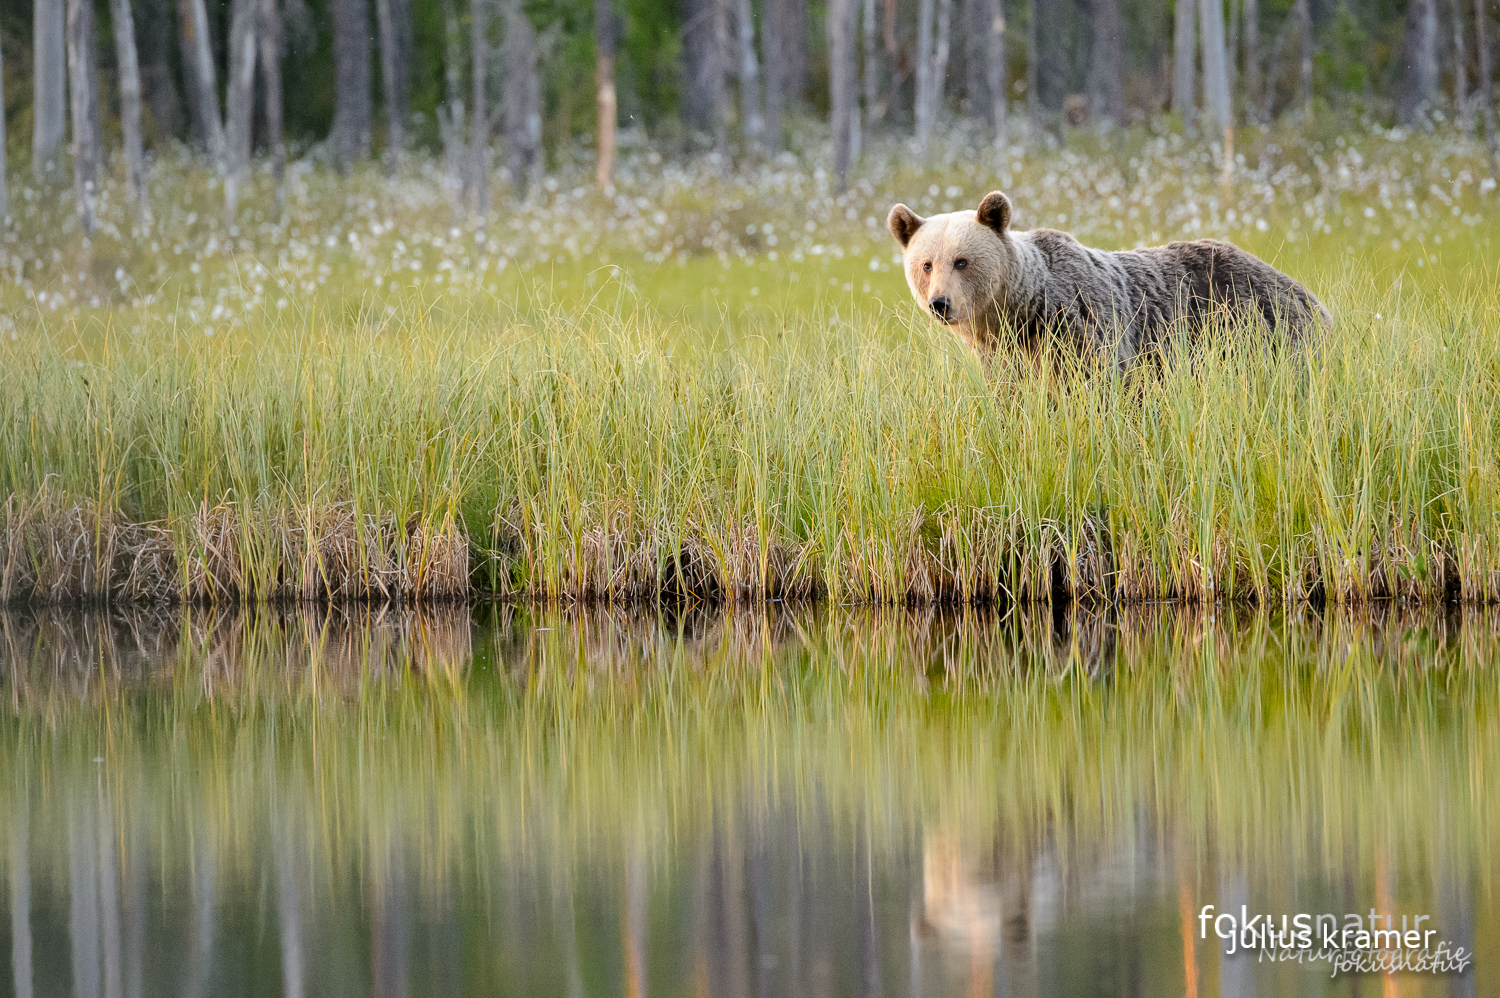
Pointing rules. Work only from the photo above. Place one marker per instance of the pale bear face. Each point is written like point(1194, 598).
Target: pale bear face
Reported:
point(956, 264)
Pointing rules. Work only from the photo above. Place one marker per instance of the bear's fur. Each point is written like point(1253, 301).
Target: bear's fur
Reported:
point(980, 277)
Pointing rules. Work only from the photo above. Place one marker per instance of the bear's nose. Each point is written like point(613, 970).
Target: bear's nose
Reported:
point(942, 307)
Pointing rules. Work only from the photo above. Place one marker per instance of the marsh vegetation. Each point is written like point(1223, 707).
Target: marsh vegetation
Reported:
point(713, 386)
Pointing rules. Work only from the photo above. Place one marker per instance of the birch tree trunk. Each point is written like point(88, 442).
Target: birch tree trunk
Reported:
point(1106, 76)
point(1304, 22)
point(772, 27)
point(1033, 69)
point(83, 863)
point(703, 71)
point(20, 900)
point(4, 197)
point(109, 902)
point(83, 92)
point(239, 104)
point(451, 114)
point(1486, 90)
point(841, 86)
point(938, 75)
point(393, 19)
point(153, 38)
point(1419, 64)
point(1251, 13)
point(269, 34)
point(996, 76)
point(289, 908)
point(794, 51)
point(522, 100)
point(130, 104)
point(479, 119)
point(609, 113)
point(1460, 68)
point(1216, 81)
point(721, 62)
point(752, 121)
point(202, 81)
point(352, 95)
point(1184, 68)
point(926, 11)
point(49, 69)
point(871, 69)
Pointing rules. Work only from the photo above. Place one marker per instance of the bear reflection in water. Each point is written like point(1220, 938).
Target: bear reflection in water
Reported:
point(976, 907)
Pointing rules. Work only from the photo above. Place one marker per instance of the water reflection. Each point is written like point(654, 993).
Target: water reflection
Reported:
point(374, 801)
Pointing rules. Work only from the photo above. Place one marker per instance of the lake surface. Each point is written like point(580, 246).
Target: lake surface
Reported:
point(513, 800)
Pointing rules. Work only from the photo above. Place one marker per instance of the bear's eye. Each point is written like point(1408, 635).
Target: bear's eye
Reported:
point(927, 267)
point(960, 263)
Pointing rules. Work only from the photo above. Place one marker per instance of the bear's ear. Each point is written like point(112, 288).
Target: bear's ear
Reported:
point(903, 223)
point(994, 212)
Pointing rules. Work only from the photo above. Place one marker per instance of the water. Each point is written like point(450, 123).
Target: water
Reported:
point(504, 800)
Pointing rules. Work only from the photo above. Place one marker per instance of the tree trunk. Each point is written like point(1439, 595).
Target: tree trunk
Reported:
point(83, 92)
point(202, 82)
point(451, 114)
point(4, 197)
point(239, 103)
point(289, 909)
point(1184, 69)
point(479, 119)
point(153, 38)
point(1304, 23)
point(996, 76)
point(926, 11)
point(841, 86)
point(1033, 69)
point(871, 69)
point(1419, 64)
point(269, 33)
point(772, 27)
point(1486, 99)
point(395, 75)
point(49, 124)
point(1052, 56)
point(752, 122)
point(702, 72)
point(20, 900)
point(1216, 81)
point(721, 62)
point(1251, 13)
point(109, 902)
point(130, 104)
point(1460, 68)
point(352, 96)
point(609, 112)
point(794, 51)
point(522, 101)
point(1106, 76)
point(83, 846)
point(938, 75)
point(1231, 49)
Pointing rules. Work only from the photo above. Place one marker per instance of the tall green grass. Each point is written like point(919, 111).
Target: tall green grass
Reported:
point(609, 453)
point(717, 387)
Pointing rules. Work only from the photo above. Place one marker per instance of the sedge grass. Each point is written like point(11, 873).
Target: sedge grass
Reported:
point(609, 413)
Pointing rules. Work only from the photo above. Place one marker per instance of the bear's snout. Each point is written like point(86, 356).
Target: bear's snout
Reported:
point(942, 307)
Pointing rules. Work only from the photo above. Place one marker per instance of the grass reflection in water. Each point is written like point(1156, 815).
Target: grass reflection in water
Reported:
point(383, 801)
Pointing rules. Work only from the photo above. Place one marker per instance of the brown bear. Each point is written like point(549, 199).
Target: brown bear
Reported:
point(976, 274)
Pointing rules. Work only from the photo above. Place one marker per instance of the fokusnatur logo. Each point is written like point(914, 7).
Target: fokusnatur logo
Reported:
point(1350, 943)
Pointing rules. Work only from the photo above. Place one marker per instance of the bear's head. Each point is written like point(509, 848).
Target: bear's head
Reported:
point(957, 263)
